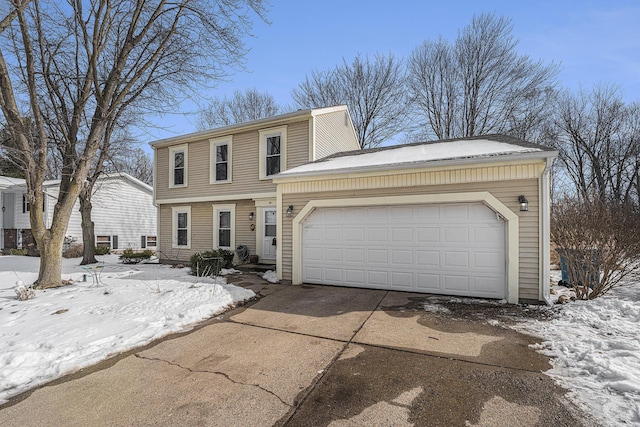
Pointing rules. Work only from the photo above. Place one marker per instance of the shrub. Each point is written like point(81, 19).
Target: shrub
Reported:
point(599, 243)
point(18, 252)
point(209, 263)
point(130, 257)
point(103, 250)
point(74, 251)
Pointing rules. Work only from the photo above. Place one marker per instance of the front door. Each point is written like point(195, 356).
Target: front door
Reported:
point(269, 237)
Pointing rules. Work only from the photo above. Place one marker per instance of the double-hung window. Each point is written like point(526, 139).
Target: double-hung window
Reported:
point(224, 229)
point(273, 151)
point(220, 160)
point(181, 227)
point(178, 166)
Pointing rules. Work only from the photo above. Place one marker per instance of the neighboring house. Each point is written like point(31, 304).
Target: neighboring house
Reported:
point(214, 189)
point(444, 217)
point(123, 213)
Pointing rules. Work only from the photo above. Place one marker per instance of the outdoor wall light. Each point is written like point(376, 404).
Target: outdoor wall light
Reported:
point(289, 211)
point(524, 203)
point(251, 216)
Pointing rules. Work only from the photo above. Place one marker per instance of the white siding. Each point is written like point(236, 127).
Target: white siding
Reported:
point(120, 208)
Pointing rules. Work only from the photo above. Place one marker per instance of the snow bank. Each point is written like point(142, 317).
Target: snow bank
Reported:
point(270, 276)
point(65, 329)
point(595, 350)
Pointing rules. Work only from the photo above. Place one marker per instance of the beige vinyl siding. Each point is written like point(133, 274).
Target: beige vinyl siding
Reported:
point(297, 144)
point(505, 191)
point(333, 135)
point(245, 161)
point(202, 229)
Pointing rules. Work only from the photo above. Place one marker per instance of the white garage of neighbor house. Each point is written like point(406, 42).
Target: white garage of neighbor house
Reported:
point(445, 217)
point(123, 213)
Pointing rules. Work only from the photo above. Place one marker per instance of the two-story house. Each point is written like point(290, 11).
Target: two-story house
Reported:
point(466, 216)
point(214, 189)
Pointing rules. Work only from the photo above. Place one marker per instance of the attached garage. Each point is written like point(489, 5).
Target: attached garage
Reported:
point(452, 249)
point(443, 218)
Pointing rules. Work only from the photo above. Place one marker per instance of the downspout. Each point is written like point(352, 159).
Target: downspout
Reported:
point(545, 216)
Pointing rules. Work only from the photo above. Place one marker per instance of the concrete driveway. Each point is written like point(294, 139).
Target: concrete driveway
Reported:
point(314, 356)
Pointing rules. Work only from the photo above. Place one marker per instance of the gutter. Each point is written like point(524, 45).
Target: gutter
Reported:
point(545, 216)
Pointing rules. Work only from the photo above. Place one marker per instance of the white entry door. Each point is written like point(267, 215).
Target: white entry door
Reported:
point(269, 234)
point(454, 249)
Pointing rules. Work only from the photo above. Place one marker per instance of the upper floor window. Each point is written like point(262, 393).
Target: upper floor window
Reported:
point(220, 160)
point(273, 155)
point(273, 151)
point(178, 159)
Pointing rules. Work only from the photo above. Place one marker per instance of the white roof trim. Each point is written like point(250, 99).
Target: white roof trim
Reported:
point(419, 155)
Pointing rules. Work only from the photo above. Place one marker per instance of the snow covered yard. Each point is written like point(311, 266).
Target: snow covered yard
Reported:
point(65, 329)
point(595, 350)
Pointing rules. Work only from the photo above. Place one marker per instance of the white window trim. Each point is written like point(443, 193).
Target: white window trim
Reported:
point(264, 133)
point(227, 140)
point(224, 208)
point(174, 226)
point(172, 150)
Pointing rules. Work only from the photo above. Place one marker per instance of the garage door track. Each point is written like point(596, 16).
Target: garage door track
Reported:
point(317, 356)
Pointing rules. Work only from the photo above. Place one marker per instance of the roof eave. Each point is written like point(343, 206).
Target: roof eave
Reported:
point(552, 154)
point(246, 126)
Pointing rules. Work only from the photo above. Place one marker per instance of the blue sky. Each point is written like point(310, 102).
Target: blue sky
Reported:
point(593, 41)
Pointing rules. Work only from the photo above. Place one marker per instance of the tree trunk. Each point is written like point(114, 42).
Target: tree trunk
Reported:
point(88, 232)
point(50, 275)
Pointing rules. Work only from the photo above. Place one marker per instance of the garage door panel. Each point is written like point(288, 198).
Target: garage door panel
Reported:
point(427, 234)
point(333, 235)
point(401, 280)
point(354, 255)
point(333, 255)
point(402, 257)
point(380, 215)
point(456, 235)
point(455, 249)
point(456, 283)
point(378, 256)
point(377, 235)
point(354, 234)
point(333, 275)
point(488, 260)
point(428, 258)
point(313, 273)
point(428, 282)
point(428, 213)
point(355, 277)
point(402, 235)
point(456, 260)
point(378, 278)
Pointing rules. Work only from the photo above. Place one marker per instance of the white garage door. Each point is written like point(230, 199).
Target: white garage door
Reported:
point(453, 249)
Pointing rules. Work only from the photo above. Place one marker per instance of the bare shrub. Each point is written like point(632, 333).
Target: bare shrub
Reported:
point(74, 251)
point(599, 242)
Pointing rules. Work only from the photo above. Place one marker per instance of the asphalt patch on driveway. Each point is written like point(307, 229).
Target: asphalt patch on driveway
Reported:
point(379, 386)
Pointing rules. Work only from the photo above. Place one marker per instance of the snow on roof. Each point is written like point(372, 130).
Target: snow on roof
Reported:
point(416, 154)
point(6, 181)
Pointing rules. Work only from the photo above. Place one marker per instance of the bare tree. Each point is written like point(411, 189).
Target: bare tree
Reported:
point(373, 91)
point(599, 243)
point(599, 143)
point(72, 68)
point(136, 162)
point(479, 84)
point(242, 107)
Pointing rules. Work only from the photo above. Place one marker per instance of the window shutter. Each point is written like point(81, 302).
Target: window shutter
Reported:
point(114, 240)
point(143, 242)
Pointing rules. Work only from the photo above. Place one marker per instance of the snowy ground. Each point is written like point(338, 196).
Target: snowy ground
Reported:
point(65, 329)
point(595, 350)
